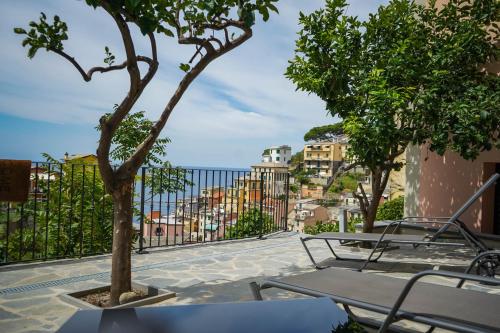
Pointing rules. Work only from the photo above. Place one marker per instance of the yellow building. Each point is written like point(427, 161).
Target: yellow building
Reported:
point(324, 157)
point(90, 159)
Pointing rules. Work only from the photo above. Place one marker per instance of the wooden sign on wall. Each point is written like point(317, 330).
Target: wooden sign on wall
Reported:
point(14, 180)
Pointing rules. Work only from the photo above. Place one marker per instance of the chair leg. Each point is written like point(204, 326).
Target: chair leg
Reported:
point(255, 288)
point(369, 259)
point(310, 255)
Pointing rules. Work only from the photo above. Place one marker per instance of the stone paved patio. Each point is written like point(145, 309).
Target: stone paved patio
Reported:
point(220, 272)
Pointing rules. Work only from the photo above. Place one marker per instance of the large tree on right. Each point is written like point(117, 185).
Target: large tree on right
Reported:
point(410, 74)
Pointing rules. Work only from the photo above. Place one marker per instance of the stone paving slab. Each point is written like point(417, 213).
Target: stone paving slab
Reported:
point(201, 274)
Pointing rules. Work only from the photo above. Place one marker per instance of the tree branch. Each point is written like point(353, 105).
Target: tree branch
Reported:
point(363, 193)
point(87, 76)
point(135, 161)
point(128, 43)
point(109, 125)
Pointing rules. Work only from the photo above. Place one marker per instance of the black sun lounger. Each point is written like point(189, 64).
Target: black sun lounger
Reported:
point(456, 309)
point(388, 237)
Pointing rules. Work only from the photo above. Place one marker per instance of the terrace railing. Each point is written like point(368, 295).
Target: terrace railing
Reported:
point(68, 214)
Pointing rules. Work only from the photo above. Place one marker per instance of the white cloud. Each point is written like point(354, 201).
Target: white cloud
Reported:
point(240, 104)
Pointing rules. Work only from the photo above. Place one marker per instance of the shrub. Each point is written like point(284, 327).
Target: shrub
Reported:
point(330, 227)
point(391, 210)
point(348, 181)
point(321, 227)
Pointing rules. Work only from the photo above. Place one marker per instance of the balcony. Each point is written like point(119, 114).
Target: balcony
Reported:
point(208, 274)
point(68, 214)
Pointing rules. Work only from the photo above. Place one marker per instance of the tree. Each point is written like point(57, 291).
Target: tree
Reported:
point(251, 223)
point(408, 75)
point(75, 212)
point(324, 133)
point(297, 159)
point(303, 177)
point(212, 28)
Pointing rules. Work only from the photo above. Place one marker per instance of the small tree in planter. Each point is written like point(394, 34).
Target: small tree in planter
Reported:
point(212, 27)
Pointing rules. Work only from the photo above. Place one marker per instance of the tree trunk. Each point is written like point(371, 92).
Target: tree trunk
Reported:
point(379, 181)
point(369, 207)
point(121, 280)
point(369, 221)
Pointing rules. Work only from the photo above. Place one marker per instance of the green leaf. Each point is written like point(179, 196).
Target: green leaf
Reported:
point(185, 67)
point(32, 52)
point(20, 31)
point(132, 4)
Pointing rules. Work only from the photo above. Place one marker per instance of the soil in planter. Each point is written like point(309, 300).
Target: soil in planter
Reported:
point(101, 299)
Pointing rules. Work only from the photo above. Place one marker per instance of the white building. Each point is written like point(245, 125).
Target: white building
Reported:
point(277, 154)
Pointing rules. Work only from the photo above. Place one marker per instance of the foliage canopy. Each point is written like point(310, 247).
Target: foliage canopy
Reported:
point(408, 74)
point(324, 133)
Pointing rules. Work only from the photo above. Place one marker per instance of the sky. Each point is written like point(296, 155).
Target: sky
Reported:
point(240, 105)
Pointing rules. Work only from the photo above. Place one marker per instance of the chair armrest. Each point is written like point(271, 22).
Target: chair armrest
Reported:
point(429, 218)
point(409, 285)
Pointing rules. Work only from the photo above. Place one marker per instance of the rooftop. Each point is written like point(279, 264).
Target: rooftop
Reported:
point(270, 165)
point(212, 273)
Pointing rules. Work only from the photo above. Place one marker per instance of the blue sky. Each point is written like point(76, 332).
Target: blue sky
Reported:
point(240, 105)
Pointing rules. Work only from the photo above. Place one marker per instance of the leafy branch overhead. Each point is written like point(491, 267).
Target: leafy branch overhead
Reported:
point(43, 35)
point(110, 58)
point(131, 132)
point(204, 23)
point(212, 28)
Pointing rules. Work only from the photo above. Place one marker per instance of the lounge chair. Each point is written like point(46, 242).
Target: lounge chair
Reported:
point(388, 236)
point(456, 309)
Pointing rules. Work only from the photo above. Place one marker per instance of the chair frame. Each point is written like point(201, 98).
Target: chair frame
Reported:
point(382, 244)
point(395, 313)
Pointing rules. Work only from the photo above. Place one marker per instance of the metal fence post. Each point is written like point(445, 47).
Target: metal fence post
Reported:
point(261, 204)
point(141, 225)
point(287, 193)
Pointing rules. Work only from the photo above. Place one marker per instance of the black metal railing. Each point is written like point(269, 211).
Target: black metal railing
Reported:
point(68, 213)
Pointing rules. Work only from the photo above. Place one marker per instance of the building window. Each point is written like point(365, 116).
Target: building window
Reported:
point(309, 154)
point(277, 151)
point(277, 158)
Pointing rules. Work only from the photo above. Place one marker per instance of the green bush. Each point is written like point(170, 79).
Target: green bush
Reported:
point(351, 225)
point(330, 227)
point(348, 181)
point(321, 227)
point(391, 210)
point(251, 223)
